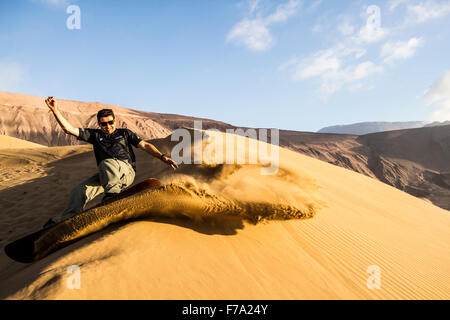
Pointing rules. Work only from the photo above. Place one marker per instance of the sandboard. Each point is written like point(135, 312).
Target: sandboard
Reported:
point(22, 250)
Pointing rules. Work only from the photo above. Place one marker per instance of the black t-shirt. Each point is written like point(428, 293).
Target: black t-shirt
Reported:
point(115, 145)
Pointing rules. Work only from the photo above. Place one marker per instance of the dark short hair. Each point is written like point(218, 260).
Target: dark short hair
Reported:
point(105, 113)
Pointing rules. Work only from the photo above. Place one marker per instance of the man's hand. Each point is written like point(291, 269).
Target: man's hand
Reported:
point(65, 125)
point(151, 149)
point(170, 162)
point(51, 103)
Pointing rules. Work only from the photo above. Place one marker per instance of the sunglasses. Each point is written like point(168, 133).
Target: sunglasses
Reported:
point(104, 124)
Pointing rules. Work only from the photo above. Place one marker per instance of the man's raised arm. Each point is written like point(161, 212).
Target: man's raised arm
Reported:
point(65, 125)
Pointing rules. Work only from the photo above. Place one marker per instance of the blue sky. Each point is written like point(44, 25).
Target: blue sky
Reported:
point(289, 64)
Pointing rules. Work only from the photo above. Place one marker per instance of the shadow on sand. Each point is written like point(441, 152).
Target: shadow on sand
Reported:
point(27, 206)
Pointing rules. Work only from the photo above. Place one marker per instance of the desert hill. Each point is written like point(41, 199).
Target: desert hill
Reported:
point(7, 142)
point(27, 117)
point(202, 250)
point(412, 160)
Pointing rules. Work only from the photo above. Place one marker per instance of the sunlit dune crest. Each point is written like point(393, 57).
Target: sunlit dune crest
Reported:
point(201, 192)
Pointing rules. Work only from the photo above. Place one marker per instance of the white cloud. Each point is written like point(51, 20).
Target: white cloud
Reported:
point(335, 68)
point(360, 87)
point(393, 4)
point(428, 10)
point(326, 62)
point(363, 70)
point(352, 75)
point(314, 5)
point(438, 97)
point(11, 75)
point(283, 12)
point(370, 34)
point(254, 33)
point(55, 2)
point(441, 112)
point(317, 28)
point(346, 28)
point(342, 66)
point(321, 64)
point(439, 90)
point(420, 11)
point(400, 50)
point(253, 5)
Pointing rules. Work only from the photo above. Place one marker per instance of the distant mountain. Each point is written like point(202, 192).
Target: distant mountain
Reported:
point(27, 117)
point(416, 161)
point(372, 127)
point(437, 124)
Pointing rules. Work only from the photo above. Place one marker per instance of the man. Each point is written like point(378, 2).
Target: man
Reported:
point(114, 155)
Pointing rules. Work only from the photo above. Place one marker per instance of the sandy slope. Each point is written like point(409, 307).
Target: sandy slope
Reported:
point(14, 143)
point(360, 222)
point(415, 161)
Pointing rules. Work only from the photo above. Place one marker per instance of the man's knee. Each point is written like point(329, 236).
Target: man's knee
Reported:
point(108, 171)
point(79, 191)
point(115, 174)
point(86, 190)
point(108, 167)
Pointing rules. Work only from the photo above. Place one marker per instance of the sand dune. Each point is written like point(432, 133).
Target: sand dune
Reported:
point(189, 253)
point(7, 142)
point(415, 161)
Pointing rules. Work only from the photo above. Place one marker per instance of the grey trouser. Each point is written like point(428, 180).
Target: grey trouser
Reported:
point(113, 176)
